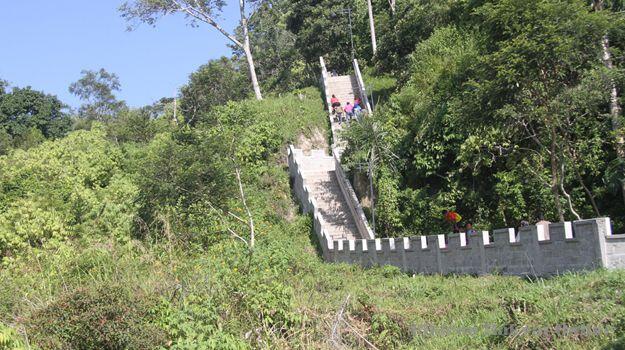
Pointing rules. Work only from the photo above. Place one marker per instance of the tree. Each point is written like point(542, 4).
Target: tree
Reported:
point(6, 142)
point(213, 84)
point(96, 89)
point(374, 44)
point(279, 63)
point(505, 112)
point(392, 4)
point(615, 106)
point(370, 144)
point(148, 11)
point(3, 85)
point(23, 109)
point(322, 29)
point(411, 22)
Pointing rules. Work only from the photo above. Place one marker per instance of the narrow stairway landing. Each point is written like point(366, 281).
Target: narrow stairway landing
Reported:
point(319, 172)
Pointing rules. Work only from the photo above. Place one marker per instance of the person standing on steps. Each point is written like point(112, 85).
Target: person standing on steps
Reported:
point(357, 111)
point(349, 111)
point(337, 111)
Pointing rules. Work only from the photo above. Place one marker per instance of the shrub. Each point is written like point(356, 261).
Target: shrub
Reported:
point(72, 187)
point(104, 317)
point(196, 325)
point(9, 340)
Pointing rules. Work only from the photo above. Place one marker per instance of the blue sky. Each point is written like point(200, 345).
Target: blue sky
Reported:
point(47, 43)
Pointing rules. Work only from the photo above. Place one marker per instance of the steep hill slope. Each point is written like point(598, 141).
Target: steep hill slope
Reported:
point(189, 284)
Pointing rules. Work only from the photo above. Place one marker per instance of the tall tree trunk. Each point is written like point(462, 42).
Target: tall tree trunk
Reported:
point(248, 51)
point(555, 179)
point(374, 44)
point(392, 4)
point(615, 107)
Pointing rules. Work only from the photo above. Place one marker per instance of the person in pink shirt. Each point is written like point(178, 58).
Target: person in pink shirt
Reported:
point(349, 111)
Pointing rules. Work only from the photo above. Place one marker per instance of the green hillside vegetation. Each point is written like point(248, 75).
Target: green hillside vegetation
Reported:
point(503, 115)
point(155, 267)
point(131, 228)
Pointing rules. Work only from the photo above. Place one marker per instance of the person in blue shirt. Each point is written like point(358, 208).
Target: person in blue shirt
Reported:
point(357, 111)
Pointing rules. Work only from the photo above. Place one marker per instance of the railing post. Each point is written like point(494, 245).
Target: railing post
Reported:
point(349, 194)
point(324, 81)
point(361, 87)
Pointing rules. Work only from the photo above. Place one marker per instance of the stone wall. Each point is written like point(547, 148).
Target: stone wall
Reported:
point(577, 246)
point(307, 202)
point(532, 251)
point(324, 83)
point(361, 87)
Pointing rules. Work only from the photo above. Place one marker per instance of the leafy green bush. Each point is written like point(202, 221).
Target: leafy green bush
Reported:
point(104, 317)
point(67, 188)
point(196, 325)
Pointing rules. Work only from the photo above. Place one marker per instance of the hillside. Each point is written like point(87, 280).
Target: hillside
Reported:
point(175, 226)
point(172, 289)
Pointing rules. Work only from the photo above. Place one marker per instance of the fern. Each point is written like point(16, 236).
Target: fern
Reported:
point(9, 339)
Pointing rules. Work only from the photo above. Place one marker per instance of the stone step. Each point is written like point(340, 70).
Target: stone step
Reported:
point(342, 90)
point(316, 173)
point(317, 169)
point(342, 78)
point(345, 86)
point(342, 82)
point(345, 98)
point(311, 161)
point(317, 159)
point(336, 90)
point(323, 183)
point(338, 87)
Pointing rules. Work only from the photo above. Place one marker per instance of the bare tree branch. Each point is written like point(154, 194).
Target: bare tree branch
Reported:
point(247, 209)
point(568, 197)
point(231, 231)
point(334, 337)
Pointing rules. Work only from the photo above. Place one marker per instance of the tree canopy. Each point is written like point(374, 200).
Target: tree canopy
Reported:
point(212, 85)
point(26, 113)
point(96, 89)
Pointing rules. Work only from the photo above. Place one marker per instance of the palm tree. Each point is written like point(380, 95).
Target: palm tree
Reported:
point(368, 144)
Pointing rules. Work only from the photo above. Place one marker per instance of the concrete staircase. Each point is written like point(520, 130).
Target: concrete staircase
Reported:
point(318, 170)
point(319, 180)
point(344, 87)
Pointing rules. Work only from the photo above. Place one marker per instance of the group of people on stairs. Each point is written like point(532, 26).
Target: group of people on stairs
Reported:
point(347, 113)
